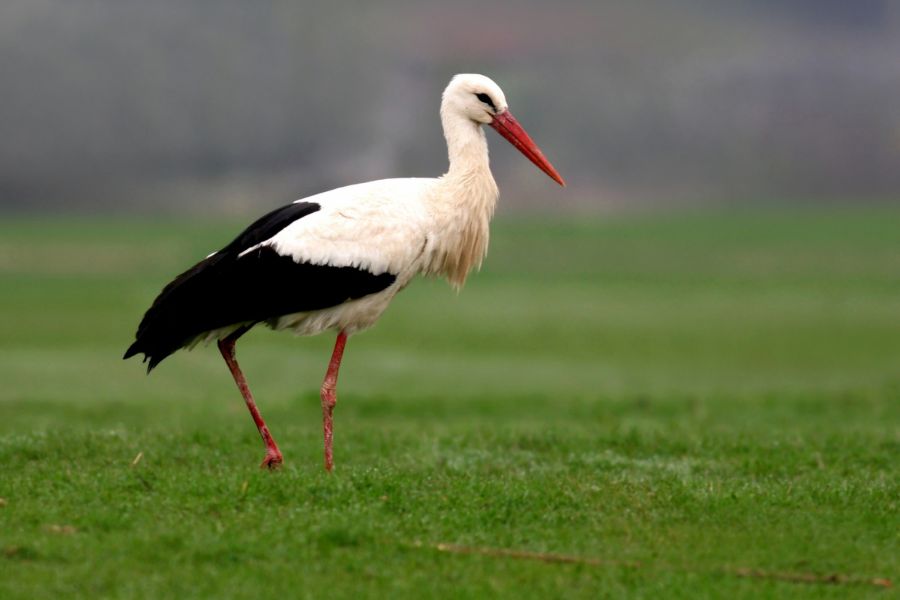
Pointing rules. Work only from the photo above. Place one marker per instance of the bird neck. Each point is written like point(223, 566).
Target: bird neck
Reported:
point(468, 182)
point(466, 146)
point(464, 201)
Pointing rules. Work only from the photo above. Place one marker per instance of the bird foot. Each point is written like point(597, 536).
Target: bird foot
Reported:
point(272, 461)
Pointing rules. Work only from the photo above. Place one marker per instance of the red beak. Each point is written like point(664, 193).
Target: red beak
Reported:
point(507, 126)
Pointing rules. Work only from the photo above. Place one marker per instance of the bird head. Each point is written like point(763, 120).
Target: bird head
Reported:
point(479, 99)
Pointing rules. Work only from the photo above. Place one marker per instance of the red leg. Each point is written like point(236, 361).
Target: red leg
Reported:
point(329, 396)
point(273, 454)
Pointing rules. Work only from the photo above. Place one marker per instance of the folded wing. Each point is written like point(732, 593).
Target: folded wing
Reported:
point(251, 280)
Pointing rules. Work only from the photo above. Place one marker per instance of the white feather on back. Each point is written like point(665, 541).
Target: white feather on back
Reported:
point(379, 226)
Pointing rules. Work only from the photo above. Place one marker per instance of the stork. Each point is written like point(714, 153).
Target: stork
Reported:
point(335, 260)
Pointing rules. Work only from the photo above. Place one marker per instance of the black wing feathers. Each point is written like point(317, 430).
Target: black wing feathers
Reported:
point(225, 289)
point(269, 224)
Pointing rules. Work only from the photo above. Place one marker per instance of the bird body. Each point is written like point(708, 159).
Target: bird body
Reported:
point(404, 227)
point(335, 260)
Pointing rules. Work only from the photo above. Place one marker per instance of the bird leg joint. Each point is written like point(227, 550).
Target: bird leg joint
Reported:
point(329, 394)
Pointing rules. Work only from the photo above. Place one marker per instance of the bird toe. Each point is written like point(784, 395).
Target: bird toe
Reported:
point(272, 461)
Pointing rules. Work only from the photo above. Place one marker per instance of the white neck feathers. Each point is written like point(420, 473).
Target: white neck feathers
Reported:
point(464, 201)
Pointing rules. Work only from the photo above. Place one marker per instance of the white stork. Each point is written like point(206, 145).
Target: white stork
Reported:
point(335, 260)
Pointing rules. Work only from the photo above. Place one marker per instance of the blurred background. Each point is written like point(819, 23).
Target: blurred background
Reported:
point(230, 106)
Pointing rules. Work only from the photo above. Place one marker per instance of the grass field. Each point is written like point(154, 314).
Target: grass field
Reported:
point(659, 407)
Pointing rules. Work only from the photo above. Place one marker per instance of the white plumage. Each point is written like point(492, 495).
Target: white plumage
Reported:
point(334, 261)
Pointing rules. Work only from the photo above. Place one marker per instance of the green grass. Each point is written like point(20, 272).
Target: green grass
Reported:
point(697, 394)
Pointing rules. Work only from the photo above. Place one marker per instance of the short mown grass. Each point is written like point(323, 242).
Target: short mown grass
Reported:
point(686, 406)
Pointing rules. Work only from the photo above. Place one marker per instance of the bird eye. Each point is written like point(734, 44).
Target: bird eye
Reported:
point(486, 99)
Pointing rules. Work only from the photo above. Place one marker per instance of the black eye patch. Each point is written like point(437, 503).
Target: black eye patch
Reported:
point(486, 99)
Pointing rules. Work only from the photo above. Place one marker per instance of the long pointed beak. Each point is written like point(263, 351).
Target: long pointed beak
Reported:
point(507, 126)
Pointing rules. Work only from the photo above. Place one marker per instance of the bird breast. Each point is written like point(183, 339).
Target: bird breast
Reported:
point(461, 217)
point(458, 250)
